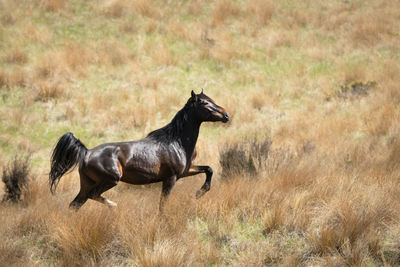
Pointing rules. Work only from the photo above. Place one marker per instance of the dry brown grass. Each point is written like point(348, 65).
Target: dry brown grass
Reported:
point(119, 8)
point(14, 78)
point(17, 56)
point(163, 56)
point(223, 10)
point(370, 28)
point(291, 212)
point(47, 90)
point(261, 11)
point(195, 7)
point(53, 5)
point(326, 192)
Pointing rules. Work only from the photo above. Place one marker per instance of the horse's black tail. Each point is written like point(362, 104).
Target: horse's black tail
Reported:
point(68, 152)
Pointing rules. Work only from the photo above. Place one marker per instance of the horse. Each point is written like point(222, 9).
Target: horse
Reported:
point(164, 155)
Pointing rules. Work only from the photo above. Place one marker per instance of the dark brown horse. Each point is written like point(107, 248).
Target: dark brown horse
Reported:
point(165, 155)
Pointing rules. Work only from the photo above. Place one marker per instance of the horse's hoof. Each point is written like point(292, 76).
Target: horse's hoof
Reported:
point(200, 193)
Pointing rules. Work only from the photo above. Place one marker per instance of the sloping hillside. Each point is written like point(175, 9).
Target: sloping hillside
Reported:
point(306, 173)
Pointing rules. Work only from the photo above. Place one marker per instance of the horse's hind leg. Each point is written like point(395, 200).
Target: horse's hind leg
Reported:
point(78, 201)
point(105, 201)
point(82, 196)
point(106, 181)
point(99, 189)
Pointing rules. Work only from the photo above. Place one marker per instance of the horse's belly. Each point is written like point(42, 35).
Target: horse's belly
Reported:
point(137, 177)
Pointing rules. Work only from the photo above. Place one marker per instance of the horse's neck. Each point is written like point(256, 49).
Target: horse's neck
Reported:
point(189, 137)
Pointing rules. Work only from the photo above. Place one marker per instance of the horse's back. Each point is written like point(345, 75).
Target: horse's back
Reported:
point(138, 162)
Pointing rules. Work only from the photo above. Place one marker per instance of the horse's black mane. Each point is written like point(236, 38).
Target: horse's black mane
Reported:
point(174, 129)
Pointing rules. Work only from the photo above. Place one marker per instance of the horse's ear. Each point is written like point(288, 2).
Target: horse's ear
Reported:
point(194, 96)
point(202, 91)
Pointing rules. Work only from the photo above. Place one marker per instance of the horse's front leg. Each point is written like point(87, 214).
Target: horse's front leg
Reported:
point(201, 169)
point(167, 186)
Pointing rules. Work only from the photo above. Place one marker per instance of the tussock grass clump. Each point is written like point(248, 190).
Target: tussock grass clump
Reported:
point(3, 79)
point(261, 10)
point(52, 5)
point(239, 158)
point(16, 56)
point(86, 235)
point(224, 9)
point(47, 90)
point(15, 178)
point(119, 8)
point(351, 227)
point(15, 78)
point(355, 89)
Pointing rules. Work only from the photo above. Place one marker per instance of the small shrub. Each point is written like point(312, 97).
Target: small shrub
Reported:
point(15, 177)
point(355, 89)
point(239, 158)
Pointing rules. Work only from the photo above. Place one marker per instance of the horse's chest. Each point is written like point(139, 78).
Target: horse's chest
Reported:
point(180, 159)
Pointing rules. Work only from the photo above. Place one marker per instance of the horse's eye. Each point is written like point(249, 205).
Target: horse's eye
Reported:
point(202, 102)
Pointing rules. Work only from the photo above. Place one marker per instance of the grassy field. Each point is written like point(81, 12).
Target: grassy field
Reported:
point(313, 147)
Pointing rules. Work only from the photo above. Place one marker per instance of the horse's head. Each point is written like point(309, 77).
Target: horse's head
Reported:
point(205, 108)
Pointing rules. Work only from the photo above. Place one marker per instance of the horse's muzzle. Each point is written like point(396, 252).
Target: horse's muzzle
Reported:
point(226, 117)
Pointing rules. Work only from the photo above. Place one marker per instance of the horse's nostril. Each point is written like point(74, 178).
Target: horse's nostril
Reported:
point(226, 116)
